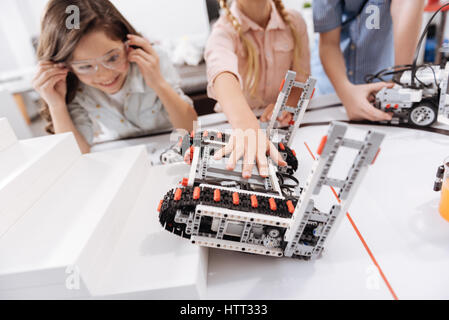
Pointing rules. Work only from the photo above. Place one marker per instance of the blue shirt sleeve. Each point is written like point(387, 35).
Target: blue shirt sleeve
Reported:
point(327, 14)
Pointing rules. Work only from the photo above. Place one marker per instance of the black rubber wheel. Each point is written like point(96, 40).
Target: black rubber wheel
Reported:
point(423, 114)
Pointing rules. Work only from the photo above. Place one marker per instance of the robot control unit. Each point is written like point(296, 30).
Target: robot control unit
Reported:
point(418, 98)
point(273, 215)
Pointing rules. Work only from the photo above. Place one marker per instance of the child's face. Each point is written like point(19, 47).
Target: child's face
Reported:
point(96, 45)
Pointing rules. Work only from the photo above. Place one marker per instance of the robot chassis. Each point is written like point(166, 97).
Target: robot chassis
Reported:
point(217, 208)
point(417, 102)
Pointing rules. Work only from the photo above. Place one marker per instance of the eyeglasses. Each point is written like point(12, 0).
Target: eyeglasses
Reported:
point(113, 60)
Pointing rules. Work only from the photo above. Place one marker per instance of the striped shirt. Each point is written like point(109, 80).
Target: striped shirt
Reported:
point(366, 41)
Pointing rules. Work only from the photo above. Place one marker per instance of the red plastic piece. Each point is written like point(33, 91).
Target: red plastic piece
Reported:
point(272, 203)
point(160, 205)
point(235, 198)
point(185, 182)
point(282, 85)
point(196, 193)
point(178, 194)
point(290, 206)
point(192, 149)
point(388, 106)
point(217, 195)
point(281, 145)
point(254, 203)
point(434, 5)
point(294, 153)
point(322, 144)
point(396, 106)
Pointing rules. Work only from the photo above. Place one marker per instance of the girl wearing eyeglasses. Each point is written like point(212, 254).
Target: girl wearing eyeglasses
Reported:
point(104, 81)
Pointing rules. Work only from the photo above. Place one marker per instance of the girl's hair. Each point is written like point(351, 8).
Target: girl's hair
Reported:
point(57, 42)
point(252, 72)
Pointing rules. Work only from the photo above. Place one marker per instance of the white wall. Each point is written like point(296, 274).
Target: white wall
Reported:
point(158, 19)
point(15, 36)
point(162, 19)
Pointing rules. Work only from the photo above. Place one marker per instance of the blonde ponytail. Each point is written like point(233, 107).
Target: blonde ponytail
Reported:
point(253, 66)
point(297, 40)
point(253, 69)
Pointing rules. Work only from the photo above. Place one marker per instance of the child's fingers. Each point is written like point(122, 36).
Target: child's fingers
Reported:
point(141, 42)
point(53, 81)
point(45, 63)
point(262, 164)
point(377, 86)
point(235, 156)
point(261, 158)
point(374, 114)
point(150, 60)
point(248, 160)
point(187, 157)
point(48, 67)
point(140, 53)
point(227, 149)
point(141, 62)
point(266, 115)
point(44, 76)
point(238, 152)
point(285, 119)
point(276, 156)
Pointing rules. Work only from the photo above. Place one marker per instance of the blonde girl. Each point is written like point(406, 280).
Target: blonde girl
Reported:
point(251, 47)
point(104, 81)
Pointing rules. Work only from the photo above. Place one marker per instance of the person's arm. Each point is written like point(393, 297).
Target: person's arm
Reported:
point(248, 140)
point(355, 98)
point(225, 86)
point(407, 19)
point(50, 83)
point(181, 113)
point(62, 122)
point(234, 104)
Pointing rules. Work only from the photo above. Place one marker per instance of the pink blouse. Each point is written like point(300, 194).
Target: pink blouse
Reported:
point(275, 44)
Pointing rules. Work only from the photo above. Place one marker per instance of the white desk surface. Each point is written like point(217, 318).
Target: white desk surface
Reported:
point(395, 212)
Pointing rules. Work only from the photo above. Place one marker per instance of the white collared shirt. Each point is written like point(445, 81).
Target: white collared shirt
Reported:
point(134, 111)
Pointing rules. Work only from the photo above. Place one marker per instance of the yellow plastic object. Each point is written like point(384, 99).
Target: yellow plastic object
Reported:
point(444, 203)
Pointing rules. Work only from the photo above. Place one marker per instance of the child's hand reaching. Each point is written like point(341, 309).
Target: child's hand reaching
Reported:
point(283, 120)
point(252, 145)
point(146, 59)
point(50, 82)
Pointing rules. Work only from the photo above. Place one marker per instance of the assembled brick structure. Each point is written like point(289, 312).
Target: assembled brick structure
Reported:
point(273, 216)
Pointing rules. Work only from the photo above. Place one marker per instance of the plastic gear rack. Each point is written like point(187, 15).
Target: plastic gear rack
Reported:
point(271, 216)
